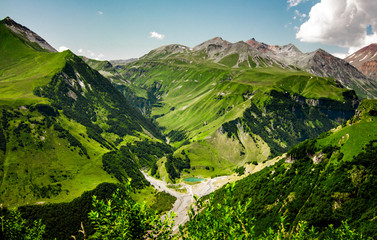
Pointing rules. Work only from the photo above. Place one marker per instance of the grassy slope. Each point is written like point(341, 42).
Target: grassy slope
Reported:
point(37, 163)
point(38, 160)
point(22, 69)
point(334, 188)
point(28, 166)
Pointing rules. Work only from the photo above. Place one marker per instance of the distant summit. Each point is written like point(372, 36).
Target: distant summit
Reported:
point(28, 34)
point(365, 60)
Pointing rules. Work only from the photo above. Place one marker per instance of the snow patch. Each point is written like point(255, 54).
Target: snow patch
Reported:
point(363, 58)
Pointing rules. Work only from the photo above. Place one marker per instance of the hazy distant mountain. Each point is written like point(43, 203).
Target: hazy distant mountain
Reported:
point(122, 61)
point(365, 60)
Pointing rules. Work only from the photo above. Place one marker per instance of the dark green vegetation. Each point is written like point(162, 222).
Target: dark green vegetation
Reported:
point(321, 181)
point(288, 120)
point(175, 165)
point(230, 220)
point(163, 202)
point(119, 217)
point(64, 219)
point(125, 162)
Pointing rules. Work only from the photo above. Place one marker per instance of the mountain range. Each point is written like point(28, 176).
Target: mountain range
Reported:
point(70, 124)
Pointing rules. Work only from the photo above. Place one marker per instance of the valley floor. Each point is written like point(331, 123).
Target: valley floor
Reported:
point(185, 196)
point(185, 192)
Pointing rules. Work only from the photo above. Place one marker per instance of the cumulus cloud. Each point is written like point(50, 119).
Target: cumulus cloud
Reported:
point(156, 35)
point(294, 3)
point(62, 48)
point(341, 23)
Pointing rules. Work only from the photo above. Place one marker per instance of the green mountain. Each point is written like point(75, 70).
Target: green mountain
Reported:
point(227, 104)
point(72, 127)
point(322, 181)
point(64, 128)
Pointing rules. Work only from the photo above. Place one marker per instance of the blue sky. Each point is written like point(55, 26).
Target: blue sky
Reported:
point(122, 29)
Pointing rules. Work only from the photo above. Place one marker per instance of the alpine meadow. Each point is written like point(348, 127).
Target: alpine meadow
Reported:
point(222, 140)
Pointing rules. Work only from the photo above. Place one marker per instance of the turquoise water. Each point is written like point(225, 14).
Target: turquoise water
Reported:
point(193, 179)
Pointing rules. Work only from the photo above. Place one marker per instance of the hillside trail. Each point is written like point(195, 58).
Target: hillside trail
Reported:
point(184, 200)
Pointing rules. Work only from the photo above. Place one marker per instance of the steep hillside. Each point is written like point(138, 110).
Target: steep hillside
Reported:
point(64, 128)
point(322, 181)
point(227, 104)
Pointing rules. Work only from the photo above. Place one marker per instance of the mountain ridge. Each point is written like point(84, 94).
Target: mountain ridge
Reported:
point(256, 54)
point(64, 127)
point(28, 34)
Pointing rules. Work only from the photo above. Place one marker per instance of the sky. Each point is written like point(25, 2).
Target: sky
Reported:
point(123, 29)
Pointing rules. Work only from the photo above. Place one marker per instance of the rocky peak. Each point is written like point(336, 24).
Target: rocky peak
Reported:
point(27, 33)
point(365, 60)
point(216, 42)
point(260, 46)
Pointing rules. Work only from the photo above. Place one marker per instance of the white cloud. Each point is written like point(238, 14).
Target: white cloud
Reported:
point(156, 35)
point(91, 54)
point(100, 13)
point(99, 56)
point(294, 3)
point(340, 55)
point(299, 15)
point(341, 23)
point(62, 48)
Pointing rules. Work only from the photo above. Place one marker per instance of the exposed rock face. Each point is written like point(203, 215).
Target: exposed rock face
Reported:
point(365, 60)
point(321, 63)
point(257, 54)
point(28, 34)
point(369, 69)
point(216, 42)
